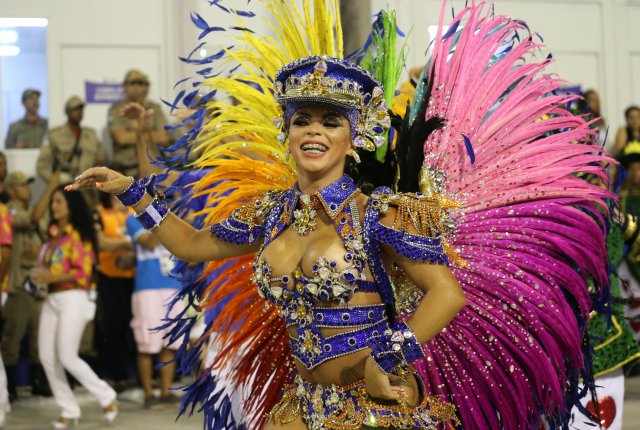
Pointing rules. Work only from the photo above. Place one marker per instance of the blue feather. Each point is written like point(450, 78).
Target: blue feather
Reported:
point(467, 144)
point(196, 49)
point(216, 3)
point(205, 71)
point(180, 82)
point(205, 60)
point(199, 21)
point(188, 100)
point(174, 105)
point(209, 30)
point(452, 30)
point(245, 13)
point(242, 29)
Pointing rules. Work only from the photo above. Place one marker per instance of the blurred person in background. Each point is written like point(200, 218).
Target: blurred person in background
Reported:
point(22, 310)
point(116, 269)
point(628, 137)
point(590, 105)
point(29, 131)
point(154, 288)
point(5, 250)
point(4, 196)
point(124, 131)
point(72, 148)
point(65, 265)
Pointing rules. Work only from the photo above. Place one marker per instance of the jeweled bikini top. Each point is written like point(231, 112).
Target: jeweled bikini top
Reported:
point(297, 294)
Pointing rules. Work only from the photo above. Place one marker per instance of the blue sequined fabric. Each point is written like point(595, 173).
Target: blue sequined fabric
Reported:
point(297, 294)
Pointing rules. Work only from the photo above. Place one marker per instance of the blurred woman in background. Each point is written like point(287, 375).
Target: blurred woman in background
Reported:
point(65, 265)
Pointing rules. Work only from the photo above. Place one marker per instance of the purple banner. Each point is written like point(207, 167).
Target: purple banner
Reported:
point(101, 92)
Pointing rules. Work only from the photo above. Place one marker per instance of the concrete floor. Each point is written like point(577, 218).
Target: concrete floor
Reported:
point(35, 413)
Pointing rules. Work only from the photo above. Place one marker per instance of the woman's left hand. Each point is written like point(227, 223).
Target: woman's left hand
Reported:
point(41, 276)
point(378, 384)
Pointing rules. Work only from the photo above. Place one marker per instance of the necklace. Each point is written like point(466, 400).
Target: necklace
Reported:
point(304, 219)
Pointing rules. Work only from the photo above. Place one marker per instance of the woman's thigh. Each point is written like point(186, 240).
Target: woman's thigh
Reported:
point(297, 424)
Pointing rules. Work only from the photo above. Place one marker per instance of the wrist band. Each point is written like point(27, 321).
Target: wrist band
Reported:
point(151, 216)
point(404, 340)
point(396, 347)
point(381, 352)
point(132, 195)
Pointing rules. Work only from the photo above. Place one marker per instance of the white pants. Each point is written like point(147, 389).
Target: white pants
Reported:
point(62, 322)
point(4, 394)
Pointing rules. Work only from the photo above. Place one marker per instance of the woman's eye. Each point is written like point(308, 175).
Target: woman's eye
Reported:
point(300, 121)
point(332, 124)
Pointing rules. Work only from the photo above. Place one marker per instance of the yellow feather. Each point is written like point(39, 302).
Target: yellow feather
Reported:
point(240, 143)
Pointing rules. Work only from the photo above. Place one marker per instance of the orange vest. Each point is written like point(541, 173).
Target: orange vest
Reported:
point(114, 225)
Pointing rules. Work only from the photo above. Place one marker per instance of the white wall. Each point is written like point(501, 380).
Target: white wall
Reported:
point(594, 42)
point(99, 41)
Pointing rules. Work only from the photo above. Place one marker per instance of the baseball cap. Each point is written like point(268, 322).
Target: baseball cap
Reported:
point(73, 103)
point(135, 75)
point(17, 178)
point(29, 92)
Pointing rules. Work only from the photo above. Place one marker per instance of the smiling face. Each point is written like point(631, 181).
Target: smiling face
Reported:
point(319, 141)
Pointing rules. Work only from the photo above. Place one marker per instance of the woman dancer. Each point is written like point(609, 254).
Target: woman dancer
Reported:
point(501, 205)
point(65, 265)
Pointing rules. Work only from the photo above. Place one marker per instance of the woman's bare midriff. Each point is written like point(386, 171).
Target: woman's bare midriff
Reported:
point(290, 251)
point(350, 368)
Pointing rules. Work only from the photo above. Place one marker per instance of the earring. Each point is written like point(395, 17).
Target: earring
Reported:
point(287, 154)
point(355, 156)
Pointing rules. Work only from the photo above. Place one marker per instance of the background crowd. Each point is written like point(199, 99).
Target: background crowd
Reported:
point(83, 283)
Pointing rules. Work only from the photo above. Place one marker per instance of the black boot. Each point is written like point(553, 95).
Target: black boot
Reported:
point(11, 382)
point(39, 382)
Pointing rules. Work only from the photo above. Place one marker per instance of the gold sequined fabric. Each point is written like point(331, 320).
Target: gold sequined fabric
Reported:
point(350, 408)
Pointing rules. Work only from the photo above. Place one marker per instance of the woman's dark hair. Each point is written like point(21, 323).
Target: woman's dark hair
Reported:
point(105, 200)
point(583, 106)
point(80, 216)
point(630, 109)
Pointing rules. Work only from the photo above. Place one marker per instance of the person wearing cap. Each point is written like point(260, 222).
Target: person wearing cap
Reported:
point(29, 131)
point(124, 130)
point(72, 148)
point(22, 310)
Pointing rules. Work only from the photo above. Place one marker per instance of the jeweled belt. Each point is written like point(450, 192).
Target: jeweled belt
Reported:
point(312, 348)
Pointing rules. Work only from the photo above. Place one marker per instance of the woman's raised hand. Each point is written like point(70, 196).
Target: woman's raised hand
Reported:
point(101, 178)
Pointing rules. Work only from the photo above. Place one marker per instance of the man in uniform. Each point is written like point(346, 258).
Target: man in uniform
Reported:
point(123, 130)
point(29, 131)
point(72, 148)
point(22, 310)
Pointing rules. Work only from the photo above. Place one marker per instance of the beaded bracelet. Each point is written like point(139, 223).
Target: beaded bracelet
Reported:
point(404, 340)
point(133, 194)
point(381, 352)
point(396, 347)
point(151, 216)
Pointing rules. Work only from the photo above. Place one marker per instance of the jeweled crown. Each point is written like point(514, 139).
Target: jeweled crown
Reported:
point(328, 80)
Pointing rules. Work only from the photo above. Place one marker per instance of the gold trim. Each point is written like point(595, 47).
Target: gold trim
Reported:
point(617, 366)
point(616, 325)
